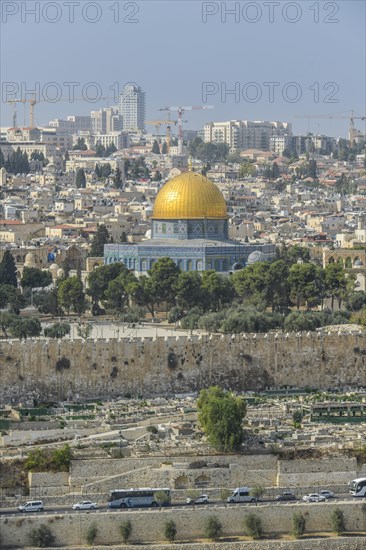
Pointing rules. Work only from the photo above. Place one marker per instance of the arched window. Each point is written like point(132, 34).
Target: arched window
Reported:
point(217, 265)
point(348, 263)
point(189, 265)
point(331, 260)
point(199, 265)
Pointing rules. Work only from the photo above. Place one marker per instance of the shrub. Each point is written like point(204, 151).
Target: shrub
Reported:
point(253, 525)
point(338, 523)
point(257, 492)
point(126, 530)
point(91, 534)
point(224, 494)
point(298, 525)
point(152, 429)
point(170, 530)
point(162, 498)
point(213, 528)
point(42, 536)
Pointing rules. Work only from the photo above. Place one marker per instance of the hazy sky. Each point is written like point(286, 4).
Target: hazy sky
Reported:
point(172, 48)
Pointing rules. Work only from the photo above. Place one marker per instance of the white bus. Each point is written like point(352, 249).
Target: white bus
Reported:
point(357, 487)
point(136, 498)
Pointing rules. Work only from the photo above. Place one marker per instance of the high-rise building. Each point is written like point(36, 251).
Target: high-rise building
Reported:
point(132, 108)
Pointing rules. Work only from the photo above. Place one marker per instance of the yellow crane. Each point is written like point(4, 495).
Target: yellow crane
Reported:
point(352, 130)
point(33, 101)
point(167, 123)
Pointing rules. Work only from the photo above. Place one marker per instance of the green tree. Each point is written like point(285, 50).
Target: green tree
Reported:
point(92, 534)
point(170, 530)
point(24, 328)
point(298, 525)
point(35, 278)
point(336, 282)
point(220, 289)
point(164, 149)
point(247, 169)
point(306, 284)
point(71, 295)
point(98, 282)
point(126, 530)
point(164, 275)
point(8, 270)
point(10, 296)
point(57, 330)
point(99, 240)
point(118, 178)
point(253, 526)
point(37, 460)
point(213, 528)
point(42, 537)
point(46, 301)
point(338, 521)
point(61, 458)
point(7, 318)
point(252, 283)
point(155, 148)
point(80, 180)
point(188, 290)
point(220, 415)
point(80, 145)
point(100, 150)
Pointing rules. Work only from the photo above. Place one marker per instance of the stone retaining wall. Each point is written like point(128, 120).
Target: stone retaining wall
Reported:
point(53, 370)
point(148, 526)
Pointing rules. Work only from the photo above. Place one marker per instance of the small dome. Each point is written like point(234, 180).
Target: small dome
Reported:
point(60, 272)
point(189, 196)
point(30, 260)
point(256, 256)
point(54, 268)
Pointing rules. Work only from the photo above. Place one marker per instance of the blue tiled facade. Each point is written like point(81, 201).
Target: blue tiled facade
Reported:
point(198, 255)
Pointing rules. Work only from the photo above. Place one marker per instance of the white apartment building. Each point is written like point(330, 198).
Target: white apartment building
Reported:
point(132, 108)
point(119, 139)
point(73, 124)
point(245, 134)
point(278, 144)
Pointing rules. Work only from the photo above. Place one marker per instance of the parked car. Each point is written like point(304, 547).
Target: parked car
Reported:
point(286, 495)
point(203, 499)
point(31, 506)
point(85, 505)
point(327, 494)
point(314, 497)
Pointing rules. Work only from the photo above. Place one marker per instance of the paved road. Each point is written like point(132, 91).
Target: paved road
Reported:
point(66, 508)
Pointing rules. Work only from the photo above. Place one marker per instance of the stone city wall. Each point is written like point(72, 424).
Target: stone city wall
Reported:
point(148, 526)
point(46, 369)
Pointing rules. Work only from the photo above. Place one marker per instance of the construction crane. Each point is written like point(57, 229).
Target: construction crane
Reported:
point(168, 123)
point(181, 111)
point(352, 130)
point(33, 101)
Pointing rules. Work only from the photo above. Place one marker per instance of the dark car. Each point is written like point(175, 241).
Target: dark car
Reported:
point(287, 495)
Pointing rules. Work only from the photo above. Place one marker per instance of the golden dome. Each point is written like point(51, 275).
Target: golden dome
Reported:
point(189, 196)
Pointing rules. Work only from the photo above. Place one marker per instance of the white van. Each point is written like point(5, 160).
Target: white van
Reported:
point(31, 506)
point(241, 494)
